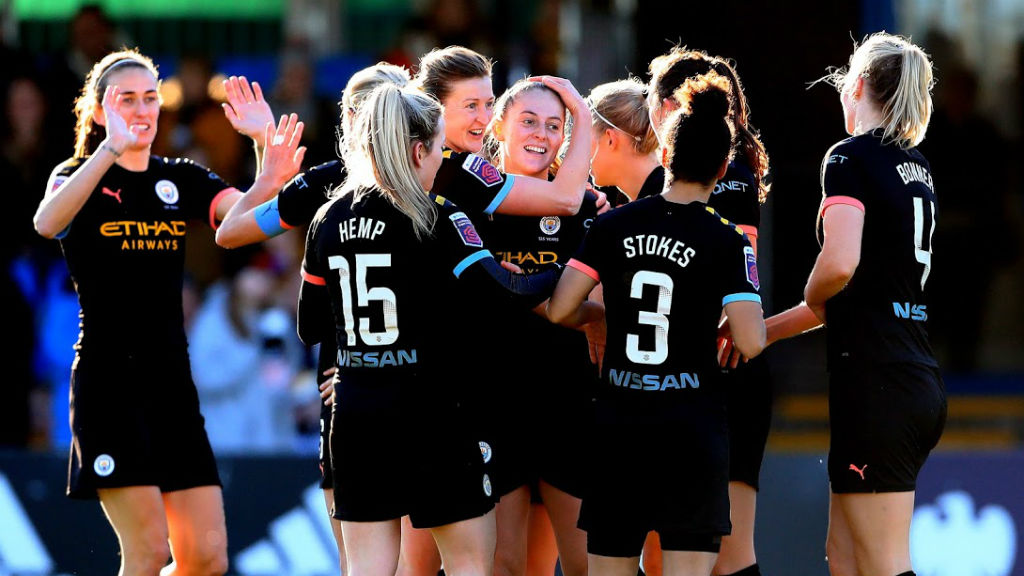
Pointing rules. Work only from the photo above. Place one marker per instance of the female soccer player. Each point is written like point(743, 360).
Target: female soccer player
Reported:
point(121, 216)
point(371, 251)
point(887, 403)
point(295, 206)
point(669, 265)
point(525, 137)
point(737, 197)
point(625, 149)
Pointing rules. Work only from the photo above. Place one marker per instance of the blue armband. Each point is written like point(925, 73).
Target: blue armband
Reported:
point(501, 195)
point(470, 260)
point(268, 218)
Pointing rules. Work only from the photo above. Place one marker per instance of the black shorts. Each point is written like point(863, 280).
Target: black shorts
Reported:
point(884, 421)
point(422, 461)
point(326, 474)
point(748, 393)
point(658, 462)
point(136, 423)
point(621, 542)
point(560, 434)
point(506, 455)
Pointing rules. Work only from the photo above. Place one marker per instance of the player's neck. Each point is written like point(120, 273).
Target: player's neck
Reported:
point(633, 180)
point(682, 192)
point(134, 160)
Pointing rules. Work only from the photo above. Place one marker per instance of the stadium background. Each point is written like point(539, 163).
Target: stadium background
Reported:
point(970, 516)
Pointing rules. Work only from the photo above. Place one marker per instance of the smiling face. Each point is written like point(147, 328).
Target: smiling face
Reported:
point(138, 105)
point(531, 133)
point(468, 109)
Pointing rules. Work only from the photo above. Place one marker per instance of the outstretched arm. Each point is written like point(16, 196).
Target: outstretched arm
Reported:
point(248, 112)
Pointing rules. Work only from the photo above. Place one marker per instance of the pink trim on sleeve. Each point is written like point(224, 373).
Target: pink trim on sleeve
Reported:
point(216, 200)
point(312, 278)
point(833, 200)
point(748, 229)
point(574, 263)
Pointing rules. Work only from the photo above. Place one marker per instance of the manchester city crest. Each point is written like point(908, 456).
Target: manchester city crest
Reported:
point(550, 224)
point(167, 191)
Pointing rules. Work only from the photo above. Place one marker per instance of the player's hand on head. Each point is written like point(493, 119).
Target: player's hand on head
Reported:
point(566, 91)
point(282, 155)
point(246, 109)
point(119, 135)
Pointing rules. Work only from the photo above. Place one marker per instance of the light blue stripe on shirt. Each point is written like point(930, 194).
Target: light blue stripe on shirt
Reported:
point(268, 218)
point(470, 260)
point(741, 297)
point(501, 195)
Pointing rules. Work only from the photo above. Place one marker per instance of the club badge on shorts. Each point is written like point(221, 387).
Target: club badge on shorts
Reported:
point(485, 451)
point(167, 191)
point(550, 224)
point(103, 465)
point(487, 485)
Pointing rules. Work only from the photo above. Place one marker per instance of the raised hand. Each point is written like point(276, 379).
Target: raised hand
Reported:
point(246, 109)
point(119, 136)
point(567, 92)
point(282, 155)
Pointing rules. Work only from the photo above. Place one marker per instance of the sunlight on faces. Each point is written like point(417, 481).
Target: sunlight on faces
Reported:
point(468, 109)
point(531, 133)
point(602, 160)
point(428, 160)
point(138, 103)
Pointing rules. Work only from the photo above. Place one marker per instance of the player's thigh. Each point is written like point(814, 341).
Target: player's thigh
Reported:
point(372, 547)
point(197, 528)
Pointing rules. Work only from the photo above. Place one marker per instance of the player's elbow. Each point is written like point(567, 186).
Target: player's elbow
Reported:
point(46, 227)
point(557, 314)
point(226, 237)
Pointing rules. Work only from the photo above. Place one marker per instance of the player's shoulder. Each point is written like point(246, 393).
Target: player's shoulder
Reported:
point(472, 165)
point(721, 225)
point(69, 166)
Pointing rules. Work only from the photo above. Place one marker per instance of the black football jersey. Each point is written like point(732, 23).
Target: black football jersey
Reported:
point(653, 185)
point(300, 199)
point(881, 315)
point(125, 250)
point(735, 196)
point(667, 270)
point(394, 297)
point(472, 183)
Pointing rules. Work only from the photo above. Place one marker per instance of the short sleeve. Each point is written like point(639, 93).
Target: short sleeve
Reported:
point(59, 176)
point(738, 272)
point(735, 198)
point(460, 243)
point(592, 250)
point(200, 189)
point(841, 179)
point(472, 183)
point(299, 200)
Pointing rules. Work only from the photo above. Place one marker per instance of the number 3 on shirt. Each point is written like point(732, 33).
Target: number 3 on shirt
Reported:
point(657, 319)
point(385, 295)
point(921, 255)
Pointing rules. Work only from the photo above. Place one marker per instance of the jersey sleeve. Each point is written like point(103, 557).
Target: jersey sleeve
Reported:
point(314, 301)
point(738, 271)
point(299, 200)
point(472, 183)
point(200, 190)
point(841, 180)
point(589, 256)
point(59, 176)
point(735, 198)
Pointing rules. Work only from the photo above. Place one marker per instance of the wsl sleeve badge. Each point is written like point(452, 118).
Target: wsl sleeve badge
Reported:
point(482, 170)
point(751, 267)
point(466, 231)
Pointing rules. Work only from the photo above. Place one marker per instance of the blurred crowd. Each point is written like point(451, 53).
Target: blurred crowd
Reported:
point(256, 382)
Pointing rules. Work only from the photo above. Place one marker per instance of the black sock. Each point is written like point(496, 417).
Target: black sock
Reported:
point(754, 570)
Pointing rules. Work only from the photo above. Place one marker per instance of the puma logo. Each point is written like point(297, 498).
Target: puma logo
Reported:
point(109, 192)
point(859, 470)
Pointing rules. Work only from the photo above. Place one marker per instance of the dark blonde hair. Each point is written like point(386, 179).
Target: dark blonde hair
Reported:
point(701, 135)
point(669, 72)
point(359, 87)
point(388, 124)
point(898, 77)
point(492, 147)
point(623, 104)
point(88, 134)
point(442, 67)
